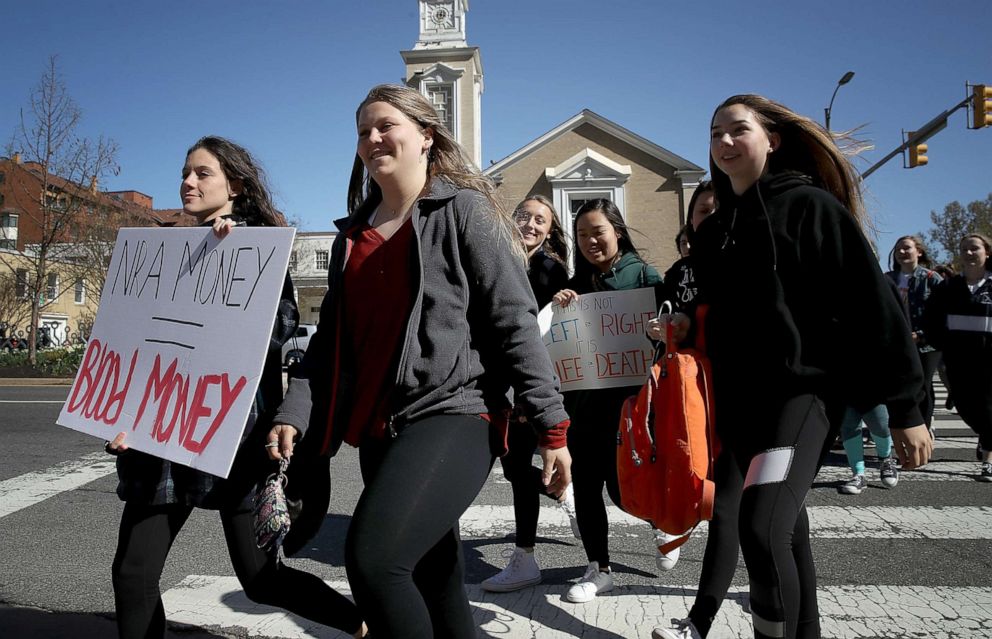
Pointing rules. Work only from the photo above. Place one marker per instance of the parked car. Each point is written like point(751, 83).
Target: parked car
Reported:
point(295, 346)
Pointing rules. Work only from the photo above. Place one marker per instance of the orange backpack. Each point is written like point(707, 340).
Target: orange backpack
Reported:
point(666, 443)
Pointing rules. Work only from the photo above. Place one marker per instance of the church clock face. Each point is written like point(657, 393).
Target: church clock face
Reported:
point(442, 16)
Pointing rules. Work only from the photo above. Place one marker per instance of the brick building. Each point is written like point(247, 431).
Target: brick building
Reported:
point(78, 224)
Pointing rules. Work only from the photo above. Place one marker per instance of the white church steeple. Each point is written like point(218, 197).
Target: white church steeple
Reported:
point(448, 72)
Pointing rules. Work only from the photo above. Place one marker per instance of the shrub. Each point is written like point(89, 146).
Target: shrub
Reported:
point(55, 362)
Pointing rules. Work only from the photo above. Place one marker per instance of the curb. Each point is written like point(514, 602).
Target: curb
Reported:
point(36, 381)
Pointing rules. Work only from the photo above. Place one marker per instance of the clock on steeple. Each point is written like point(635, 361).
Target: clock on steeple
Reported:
point(442, 23)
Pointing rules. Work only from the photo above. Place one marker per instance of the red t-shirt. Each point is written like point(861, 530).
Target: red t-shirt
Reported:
point(378, 297)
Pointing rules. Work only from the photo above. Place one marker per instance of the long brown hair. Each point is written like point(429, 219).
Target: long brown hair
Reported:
point(921, 248)
point(254, 203)
point(984, 239)
point(555, 245)
point(446, 159)
point(805, 147)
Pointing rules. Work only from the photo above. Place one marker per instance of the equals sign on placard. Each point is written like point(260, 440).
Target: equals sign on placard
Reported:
point(172, 320)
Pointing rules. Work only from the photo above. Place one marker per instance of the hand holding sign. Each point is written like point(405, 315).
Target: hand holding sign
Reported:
point(159, 364)
point(598, 340)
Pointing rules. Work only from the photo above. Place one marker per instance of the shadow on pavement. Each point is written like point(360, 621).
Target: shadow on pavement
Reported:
point(20, 622)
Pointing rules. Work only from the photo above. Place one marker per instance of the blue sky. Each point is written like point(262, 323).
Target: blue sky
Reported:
point(284, 77)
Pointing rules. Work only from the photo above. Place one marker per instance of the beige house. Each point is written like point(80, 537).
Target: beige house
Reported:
point(589, 157)
point(308, 263)
point(67, 306)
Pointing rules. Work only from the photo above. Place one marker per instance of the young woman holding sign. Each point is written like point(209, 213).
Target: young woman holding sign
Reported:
point(419, 389)
point(812, 324)
point(222, 187)
point(547, 253)
point(606, 260)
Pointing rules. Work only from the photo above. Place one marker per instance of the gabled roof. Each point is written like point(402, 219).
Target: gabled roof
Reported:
point(612, 128)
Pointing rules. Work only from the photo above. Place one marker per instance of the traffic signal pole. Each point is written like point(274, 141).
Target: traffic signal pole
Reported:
point(919, 136)
point(981, 107)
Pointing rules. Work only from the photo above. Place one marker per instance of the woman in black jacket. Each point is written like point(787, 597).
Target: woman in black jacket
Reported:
point(806, 324)
point(222, 187)
point(544, 241)
point(959, 322)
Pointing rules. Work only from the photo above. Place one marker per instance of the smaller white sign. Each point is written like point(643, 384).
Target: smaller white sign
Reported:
point(179, 341)
point(600, 341)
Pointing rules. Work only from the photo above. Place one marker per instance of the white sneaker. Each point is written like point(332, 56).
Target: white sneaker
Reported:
point(521, 571)
point(684, 629)
point(567, 503)
point(592, 583)
point(662, 560)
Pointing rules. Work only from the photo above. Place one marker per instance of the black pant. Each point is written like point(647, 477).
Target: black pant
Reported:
point(929, 361)
point(526, 481)
point(147, 534)
point(592, 442)
point(403, 552)
point(971, 380)
point(773, 523)
point(722, 543)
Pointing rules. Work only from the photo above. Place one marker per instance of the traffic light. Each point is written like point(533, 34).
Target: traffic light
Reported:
point(981, 106)
point(917, 153)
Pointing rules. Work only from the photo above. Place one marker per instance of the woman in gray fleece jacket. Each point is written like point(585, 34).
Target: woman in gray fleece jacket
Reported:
point(427, 325)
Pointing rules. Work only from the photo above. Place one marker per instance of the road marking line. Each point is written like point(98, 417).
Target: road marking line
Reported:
point(32, 401)
point(846, 611)
point(934, 471)
point(826, 522)
point(30, 488)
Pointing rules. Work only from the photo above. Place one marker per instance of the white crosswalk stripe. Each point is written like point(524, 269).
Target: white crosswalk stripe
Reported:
point(847, 611)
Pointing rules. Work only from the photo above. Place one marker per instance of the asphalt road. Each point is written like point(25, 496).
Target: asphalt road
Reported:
point(56, 552)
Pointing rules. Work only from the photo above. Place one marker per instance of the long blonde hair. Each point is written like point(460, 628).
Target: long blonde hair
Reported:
point(806, 147)
point(446, 159)
point(555, 246)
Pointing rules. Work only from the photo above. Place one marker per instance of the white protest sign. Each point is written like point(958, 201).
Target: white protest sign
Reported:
point(599, 340)
point(179, 340)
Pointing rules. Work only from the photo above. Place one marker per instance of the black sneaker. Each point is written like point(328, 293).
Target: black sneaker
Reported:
point(986, 474)
point(888, 470)
point(854, 486)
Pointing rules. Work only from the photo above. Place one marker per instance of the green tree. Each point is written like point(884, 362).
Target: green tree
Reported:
point(955, 222)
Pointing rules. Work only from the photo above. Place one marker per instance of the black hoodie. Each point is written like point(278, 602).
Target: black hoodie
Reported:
point(798, 304)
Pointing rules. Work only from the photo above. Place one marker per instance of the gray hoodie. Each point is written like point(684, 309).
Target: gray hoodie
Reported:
point(472, 334)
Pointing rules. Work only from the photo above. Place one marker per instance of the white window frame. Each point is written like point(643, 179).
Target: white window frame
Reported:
point(52, 287)
point(321, 256)
point(79, 293)
point(22, 284)
point(8, 231)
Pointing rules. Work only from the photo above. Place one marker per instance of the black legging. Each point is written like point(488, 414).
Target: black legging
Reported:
point(722, 543)
point(147, 534)
point(779, 465)
point(971, 378)
point(403, 552)
point(930, 361)
point(592, 442)
point(526, 480)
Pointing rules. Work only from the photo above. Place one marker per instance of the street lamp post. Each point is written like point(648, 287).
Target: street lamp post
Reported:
point(826, 112)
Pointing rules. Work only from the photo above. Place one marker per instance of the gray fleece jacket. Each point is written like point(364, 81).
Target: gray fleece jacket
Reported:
point(471, 337)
